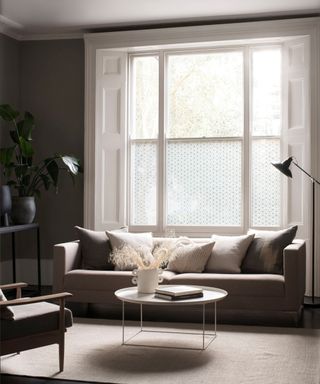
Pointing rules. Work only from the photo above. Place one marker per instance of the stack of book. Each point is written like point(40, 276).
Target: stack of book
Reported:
point(178, 292)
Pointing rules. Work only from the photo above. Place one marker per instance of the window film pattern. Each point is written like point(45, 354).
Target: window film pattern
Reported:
point(266, 193)
point(143, 183)
point(204, 183)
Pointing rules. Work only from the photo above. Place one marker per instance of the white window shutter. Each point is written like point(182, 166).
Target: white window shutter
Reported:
point(110, 137)
point(297, 133)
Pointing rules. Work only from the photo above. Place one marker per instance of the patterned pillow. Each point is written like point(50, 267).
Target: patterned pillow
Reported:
point(228, 253)
point(190, 258)
point(6, 313)
point(265, 254)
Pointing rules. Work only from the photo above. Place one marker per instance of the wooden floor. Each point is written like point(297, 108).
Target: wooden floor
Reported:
point(310, 319)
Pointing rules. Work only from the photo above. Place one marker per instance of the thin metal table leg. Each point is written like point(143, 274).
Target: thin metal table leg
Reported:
point(13, 244)
point(215, 318)
point(122, 322)
point(203, 324)
point(141, 318)
point(39, 260)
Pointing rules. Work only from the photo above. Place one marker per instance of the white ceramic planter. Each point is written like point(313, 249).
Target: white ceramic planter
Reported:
point(147, 280)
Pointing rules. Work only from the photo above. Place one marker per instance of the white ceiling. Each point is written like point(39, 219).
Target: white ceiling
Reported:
point(35, 18)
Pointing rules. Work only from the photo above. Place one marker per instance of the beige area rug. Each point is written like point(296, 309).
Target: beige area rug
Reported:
point(239, 354)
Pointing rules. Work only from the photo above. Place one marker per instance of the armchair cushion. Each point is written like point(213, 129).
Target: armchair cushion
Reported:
point(33, 318)
point(6, 313)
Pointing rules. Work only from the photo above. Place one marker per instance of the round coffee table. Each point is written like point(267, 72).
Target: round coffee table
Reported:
point(131, 295)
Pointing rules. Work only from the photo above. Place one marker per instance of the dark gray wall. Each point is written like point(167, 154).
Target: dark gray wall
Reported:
point(48, 82)
point(52, 89)
point(9, 78)
point(9, 93)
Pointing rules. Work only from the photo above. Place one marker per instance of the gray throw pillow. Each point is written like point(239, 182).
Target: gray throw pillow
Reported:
point(6, 313)
point(265, 254)
point(95, 249)
point(228, 253)
point(190, 258)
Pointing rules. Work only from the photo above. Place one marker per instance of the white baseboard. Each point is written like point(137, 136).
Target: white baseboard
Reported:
point(27, 271)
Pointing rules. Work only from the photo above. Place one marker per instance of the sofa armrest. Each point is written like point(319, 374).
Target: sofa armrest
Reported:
point(66, 257)
point(294, 262)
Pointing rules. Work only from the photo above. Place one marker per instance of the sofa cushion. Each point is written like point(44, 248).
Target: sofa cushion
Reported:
point(265, 285)
point(95, 249)
point(265, 254)
point(102, 281)
point(228, 253)
point(190, 258)
point(6, 313)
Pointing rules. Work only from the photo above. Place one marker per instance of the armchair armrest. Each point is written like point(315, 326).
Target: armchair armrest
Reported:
point(16, 286)
point(294, 263)
point(37, 299)
point(66, 257)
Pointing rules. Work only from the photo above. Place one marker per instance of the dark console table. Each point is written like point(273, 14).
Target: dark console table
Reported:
point(18, 228)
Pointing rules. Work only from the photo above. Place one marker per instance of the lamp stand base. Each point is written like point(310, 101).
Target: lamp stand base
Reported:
point(311, 302)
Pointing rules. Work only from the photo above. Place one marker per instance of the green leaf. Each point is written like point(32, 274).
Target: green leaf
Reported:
point(26, 147)
point(8, 113)
point(14, 136)
point(53, 170)
point(46, 181)
point(6, 156)
point(21, 170)
point(26, 126)
point(72, 163)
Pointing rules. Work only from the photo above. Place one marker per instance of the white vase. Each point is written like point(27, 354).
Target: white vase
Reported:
point(147, 280)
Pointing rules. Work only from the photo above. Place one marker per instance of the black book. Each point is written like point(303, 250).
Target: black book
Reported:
point(177, 298)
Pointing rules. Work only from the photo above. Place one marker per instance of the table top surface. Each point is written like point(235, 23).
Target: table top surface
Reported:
point(131, 295)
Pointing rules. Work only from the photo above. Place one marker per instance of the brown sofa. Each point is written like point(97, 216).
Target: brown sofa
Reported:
point(252, 298)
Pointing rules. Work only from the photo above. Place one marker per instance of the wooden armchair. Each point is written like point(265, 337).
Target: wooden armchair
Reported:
point(36, 322)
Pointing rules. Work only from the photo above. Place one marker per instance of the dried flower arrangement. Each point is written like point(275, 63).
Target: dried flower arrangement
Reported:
point(127, 257)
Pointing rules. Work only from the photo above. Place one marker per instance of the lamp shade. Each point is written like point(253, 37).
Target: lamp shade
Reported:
point(284, 166)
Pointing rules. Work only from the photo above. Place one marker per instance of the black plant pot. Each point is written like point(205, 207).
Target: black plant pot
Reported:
point(23, 209)
point(5, 205)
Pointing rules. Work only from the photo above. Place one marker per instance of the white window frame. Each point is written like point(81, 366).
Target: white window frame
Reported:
point(162, 142)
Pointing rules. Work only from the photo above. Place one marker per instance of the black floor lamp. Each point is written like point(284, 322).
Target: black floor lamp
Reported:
point(284, 168)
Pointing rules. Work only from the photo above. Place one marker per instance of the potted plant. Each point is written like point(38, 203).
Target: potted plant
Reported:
point(19, 170)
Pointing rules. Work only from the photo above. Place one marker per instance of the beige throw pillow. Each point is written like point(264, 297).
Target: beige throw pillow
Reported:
point(190, 258)
point(228, 253)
